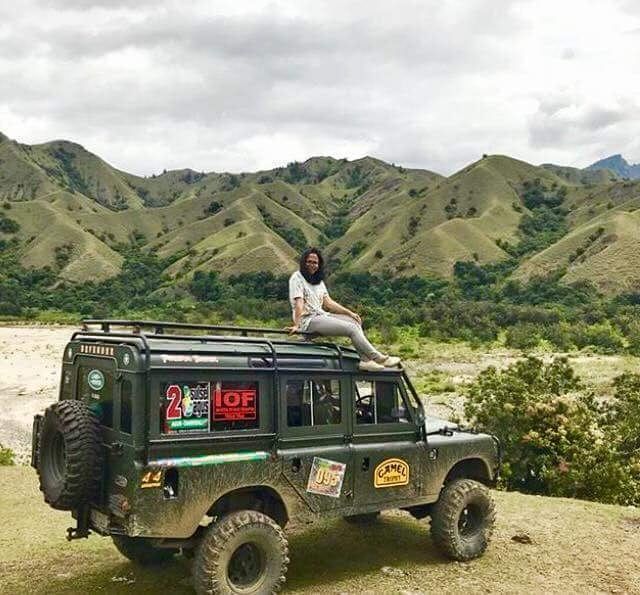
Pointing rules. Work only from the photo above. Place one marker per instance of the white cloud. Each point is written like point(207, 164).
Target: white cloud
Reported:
point(240, 86)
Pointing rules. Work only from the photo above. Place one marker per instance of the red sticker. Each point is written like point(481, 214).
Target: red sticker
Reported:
point(235, 404)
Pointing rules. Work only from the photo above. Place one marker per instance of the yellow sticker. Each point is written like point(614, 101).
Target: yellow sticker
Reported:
point(151, 479)
point(391, 473)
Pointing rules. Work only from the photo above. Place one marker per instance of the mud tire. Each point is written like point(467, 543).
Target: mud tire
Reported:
point(462, 520)
point(141, 551)
point(219, 561)
point(70, 459)
point(362, 519)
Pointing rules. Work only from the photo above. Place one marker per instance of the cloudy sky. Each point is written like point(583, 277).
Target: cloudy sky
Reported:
point(233, 86)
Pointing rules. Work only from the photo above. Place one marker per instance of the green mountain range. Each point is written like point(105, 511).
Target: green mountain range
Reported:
point(69, 210)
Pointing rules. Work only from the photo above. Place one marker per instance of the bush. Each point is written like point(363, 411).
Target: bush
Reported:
point(523, 336)
point(555, 441)
point(602, 337)
point(7, 456)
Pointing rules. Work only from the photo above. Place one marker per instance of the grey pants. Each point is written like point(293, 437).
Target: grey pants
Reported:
point(340, 325)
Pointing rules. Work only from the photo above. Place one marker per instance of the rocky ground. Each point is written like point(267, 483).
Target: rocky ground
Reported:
point(29, 377)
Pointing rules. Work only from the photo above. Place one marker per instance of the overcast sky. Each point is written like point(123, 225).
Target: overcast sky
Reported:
point(241, 86)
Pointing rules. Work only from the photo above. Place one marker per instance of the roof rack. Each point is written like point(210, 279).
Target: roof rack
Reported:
point(159, 327)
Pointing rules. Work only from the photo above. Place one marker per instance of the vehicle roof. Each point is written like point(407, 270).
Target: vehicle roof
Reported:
point(164, 349)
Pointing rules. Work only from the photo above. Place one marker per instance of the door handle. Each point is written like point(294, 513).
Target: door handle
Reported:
point(295, 464)
point(365, 464)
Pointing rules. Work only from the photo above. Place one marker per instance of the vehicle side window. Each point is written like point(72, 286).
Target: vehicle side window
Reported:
point(379, 402)
point(313, 402)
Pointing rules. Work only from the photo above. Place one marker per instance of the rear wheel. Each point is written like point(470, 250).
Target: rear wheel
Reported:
point(244, 552)
point(141, 551)
point(70, 456)
point(462, 520)
point(362, 519)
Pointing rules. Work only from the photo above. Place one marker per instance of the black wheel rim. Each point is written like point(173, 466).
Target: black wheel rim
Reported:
point(57, 457)
point(470, 520)
point(246, 566)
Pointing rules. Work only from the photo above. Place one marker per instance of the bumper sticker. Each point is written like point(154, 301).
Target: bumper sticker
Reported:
point(391, 473)
point(326, 477)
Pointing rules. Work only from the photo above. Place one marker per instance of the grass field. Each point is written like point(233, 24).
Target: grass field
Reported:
point(576, 547)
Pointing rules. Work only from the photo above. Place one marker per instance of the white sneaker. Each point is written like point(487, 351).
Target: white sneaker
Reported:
point(371, 366)
point(389, 361)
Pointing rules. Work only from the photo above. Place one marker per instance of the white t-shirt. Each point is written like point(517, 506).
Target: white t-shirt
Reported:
point(312, 297)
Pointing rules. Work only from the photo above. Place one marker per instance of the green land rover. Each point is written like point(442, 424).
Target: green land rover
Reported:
point(174, 438)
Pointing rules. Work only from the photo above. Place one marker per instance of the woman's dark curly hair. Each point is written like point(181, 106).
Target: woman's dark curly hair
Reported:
point(319, 274)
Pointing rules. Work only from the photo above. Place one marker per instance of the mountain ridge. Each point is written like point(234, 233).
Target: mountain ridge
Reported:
point(72, 211)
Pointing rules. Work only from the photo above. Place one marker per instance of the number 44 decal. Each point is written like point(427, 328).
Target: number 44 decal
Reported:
point(151, 479)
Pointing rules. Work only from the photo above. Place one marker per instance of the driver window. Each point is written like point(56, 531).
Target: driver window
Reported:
point(313, 402)
point(379, 402)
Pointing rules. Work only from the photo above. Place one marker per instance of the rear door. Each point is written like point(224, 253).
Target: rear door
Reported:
point(386, 442)
point(314, 440)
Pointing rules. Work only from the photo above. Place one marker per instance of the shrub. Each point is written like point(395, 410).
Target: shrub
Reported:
point(523, 336)
point(214, 207)
point(7, 456)
point(556, 441)
point(8, 225)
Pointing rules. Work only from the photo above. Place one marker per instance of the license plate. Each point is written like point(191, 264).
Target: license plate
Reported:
point(99, 520)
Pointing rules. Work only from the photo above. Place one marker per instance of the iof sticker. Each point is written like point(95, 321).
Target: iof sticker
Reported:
point(235, 404)
point(391, 473)
point(326, 477)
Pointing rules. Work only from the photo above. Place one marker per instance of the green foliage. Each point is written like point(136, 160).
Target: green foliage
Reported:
point(230, 182)
point(555, 440)
point(8, 225)
point(294, 172)
point(7, 456)
point(545, 224)
point(355, 176)
point(214, 207)
point(292, 235)
point(523, 336)
point(357, 248)
point(338, 224)
point(205, 286)
point(74, 180)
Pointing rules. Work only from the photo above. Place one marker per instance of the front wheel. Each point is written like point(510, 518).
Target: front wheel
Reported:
point(244, 552)
point(462, 520)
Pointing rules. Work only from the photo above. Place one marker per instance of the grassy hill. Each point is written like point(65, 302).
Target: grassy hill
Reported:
point(575, 547)
point(74, 213)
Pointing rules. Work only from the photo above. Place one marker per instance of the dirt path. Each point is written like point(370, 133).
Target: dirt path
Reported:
point(29, 377)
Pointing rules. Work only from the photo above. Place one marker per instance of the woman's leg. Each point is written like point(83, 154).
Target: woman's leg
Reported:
point(339, 325)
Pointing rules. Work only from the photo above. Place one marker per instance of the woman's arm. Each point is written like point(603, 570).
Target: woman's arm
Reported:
point(297, 315)
point(333, 306)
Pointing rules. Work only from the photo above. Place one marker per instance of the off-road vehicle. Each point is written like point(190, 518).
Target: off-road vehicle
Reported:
point(176, 438)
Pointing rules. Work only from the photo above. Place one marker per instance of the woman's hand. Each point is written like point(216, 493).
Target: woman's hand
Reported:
point(356, 317)
point(292, 329)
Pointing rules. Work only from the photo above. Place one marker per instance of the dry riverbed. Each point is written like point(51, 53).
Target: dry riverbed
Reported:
point(30, 359)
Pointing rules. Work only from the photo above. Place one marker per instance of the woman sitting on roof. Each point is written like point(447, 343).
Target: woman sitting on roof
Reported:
point(315, 312)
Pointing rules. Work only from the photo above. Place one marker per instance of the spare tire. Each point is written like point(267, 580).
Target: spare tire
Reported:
point(70, 457)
